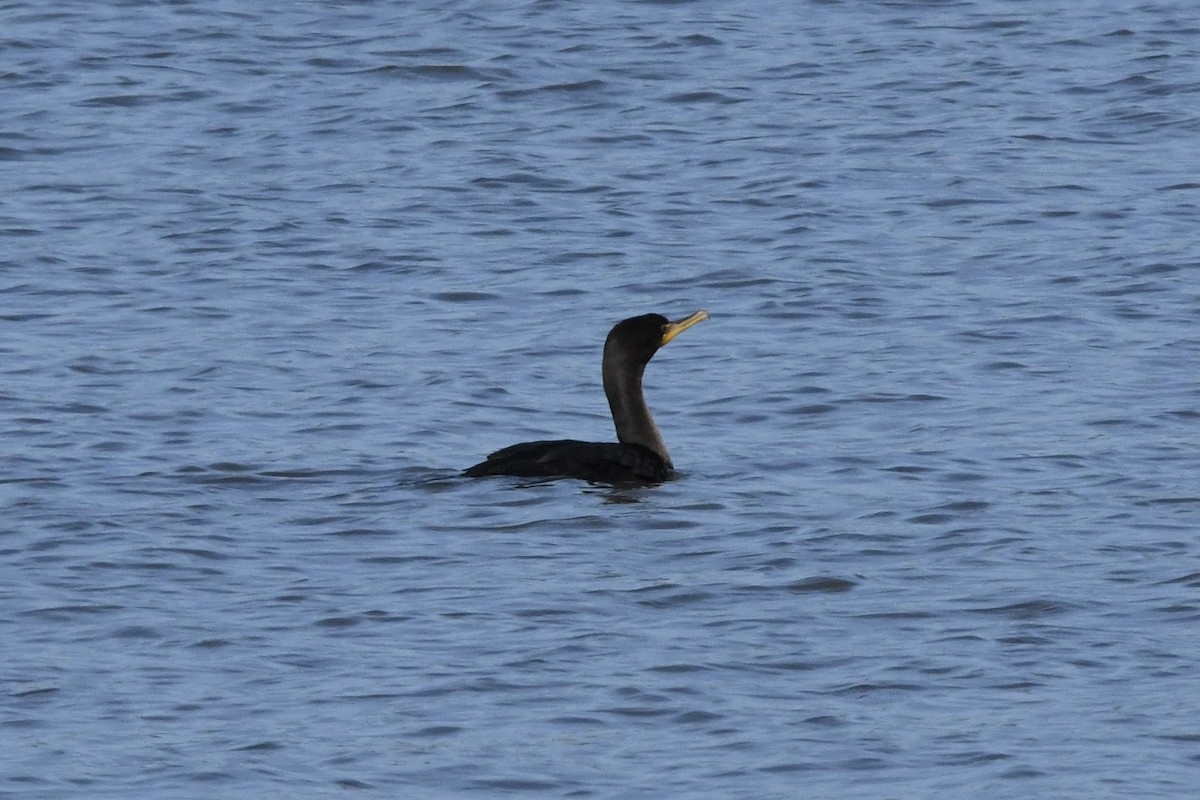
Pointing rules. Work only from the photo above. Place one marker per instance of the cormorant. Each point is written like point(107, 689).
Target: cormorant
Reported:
point(639, 454)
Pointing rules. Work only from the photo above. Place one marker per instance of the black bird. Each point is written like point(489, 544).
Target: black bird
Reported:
point(639, 455)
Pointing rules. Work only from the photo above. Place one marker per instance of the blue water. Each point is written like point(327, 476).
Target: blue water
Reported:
point(271, 274)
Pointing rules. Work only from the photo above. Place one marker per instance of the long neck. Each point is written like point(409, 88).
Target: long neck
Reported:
point(623, 385)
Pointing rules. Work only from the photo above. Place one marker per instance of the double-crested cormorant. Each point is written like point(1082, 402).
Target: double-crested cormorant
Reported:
point(639, 455)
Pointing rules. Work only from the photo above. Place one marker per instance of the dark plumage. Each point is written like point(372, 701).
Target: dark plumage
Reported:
point(639, 455)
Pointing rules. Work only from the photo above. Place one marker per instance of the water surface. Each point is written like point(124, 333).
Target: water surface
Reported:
point(272, 274)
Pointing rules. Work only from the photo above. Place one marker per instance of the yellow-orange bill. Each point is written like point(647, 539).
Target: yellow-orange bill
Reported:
point(673, 329)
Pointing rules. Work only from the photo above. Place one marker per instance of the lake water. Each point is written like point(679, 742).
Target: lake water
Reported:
point(272, 273)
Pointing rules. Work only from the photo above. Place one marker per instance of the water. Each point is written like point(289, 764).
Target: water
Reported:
point(272, 273)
